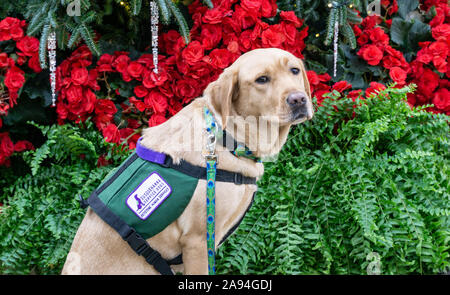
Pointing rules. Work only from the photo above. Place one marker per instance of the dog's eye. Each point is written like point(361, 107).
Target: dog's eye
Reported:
point(295, 71)
point(262, 80)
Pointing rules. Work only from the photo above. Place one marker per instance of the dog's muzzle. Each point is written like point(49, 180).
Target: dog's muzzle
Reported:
point(301, 106)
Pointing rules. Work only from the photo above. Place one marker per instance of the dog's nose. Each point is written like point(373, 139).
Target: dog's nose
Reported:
point(297, 99)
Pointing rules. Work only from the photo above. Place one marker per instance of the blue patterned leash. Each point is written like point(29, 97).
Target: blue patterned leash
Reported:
point(240, 150)
point(211, 169)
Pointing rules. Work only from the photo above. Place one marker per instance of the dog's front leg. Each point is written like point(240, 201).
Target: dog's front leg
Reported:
point(195, 257)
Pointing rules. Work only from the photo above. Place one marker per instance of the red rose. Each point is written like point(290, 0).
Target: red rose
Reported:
point(140, 91)
point(85, 105)
point(121, 63)
point(246, 19)
point(152, 80)
point(390, 62)
point(427, 82)
point(193, 53)
point(16, 33)
point(251, 5)
point(440, 64)
point(372, 54)
point(186, 90)
point(341, 86)
point(6, 145)
point(28, 45)
point(23, 145)
point(211, 36)
point(156, 101)
point(214, 16)
point(269, 8)
point(354, 94)
point(441, 99)
point(168, 41)
point(104, 110)
point(34, 63)
point(105, 106)
point(374, 88)
point(441, 32)
point(438, 48)
point(362, 39)
point(371, 21)
point(14, 79)
point(156, 119)
point(220, 58)
point(313, 78)
point(79, 76)
point(5, 61)
point(10, 28)
point(104, 63)
point(135, 69)
point(74, 94)
point(138, 104)
point(398, 75)
point(290, 17)
point(273, 37)
point(111, 133)
point(377, 35)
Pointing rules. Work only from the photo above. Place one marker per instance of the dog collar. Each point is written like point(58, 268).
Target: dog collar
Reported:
point(238, 149)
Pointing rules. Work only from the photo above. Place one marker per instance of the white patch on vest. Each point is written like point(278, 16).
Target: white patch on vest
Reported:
point(144, 200)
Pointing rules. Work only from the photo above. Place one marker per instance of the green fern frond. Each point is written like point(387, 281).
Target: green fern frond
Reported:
point(348, 33)
point(334, 15)
point(164, 12)
point(181, 21)
point(136, 6)
point(43, 46)
point(88, 37)
point(208, 3)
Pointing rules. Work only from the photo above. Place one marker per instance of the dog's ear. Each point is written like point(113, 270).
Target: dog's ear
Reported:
point(221, 93)
point(305, 79)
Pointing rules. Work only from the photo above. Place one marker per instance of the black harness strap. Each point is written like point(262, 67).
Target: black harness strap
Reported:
point(135, 240)
point(200, 172)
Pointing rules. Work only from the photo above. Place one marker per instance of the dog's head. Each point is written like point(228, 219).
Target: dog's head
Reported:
point(263, 82)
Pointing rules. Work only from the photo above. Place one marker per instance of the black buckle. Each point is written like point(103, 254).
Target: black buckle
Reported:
point(238, 178)
point(168, 161)
point(83, 203)
point(151, 256)
point(136, 242)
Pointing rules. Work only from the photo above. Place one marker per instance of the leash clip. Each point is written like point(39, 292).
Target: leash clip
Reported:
point(210, 148)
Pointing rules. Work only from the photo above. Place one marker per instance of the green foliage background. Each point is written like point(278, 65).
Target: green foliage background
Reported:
point(41, 213)
point(341, 189)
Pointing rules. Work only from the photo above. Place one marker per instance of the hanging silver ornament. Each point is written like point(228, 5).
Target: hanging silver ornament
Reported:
point(154, 12)
point(335, 49)
point(51, 47)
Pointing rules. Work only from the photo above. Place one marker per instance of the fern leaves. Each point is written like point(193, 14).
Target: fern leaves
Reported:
point(331, 201)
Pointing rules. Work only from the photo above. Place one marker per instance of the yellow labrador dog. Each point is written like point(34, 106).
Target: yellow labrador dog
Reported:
point(269, 85)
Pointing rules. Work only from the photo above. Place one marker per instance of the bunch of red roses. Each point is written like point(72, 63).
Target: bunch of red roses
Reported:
point(13, 77)
point(431, 60)
point(377, 51)
point(218, 37)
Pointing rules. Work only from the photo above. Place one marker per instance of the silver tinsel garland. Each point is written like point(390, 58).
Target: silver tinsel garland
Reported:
point(51, 47)
point(335, 49)
point(154, 12)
